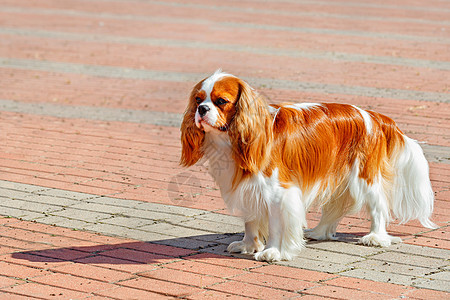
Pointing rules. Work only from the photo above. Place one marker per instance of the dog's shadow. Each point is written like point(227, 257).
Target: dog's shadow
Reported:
point(348, 238)
point(151, 252)
point(139, 252)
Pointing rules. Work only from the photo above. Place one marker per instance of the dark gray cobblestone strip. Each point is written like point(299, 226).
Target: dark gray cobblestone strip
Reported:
point(240, 25)
point(257, 82)
point(313, 2)
point(93, 113)
point(318, 55)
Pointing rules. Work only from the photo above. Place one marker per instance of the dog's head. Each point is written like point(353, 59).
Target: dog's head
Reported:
point(223, 103)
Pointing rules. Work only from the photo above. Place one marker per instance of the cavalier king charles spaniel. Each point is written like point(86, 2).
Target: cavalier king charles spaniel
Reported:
point(273, 161)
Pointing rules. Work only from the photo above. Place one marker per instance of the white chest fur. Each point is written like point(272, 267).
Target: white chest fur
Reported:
point(218, 153)
point(251, 195)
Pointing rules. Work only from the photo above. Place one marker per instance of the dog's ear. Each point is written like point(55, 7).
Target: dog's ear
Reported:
point(192, 138)
point(251, 131)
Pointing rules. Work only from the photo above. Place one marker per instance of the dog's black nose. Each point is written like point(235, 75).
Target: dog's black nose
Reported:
point(203, 109)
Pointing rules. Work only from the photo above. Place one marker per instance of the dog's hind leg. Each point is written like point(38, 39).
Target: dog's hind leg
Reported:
point(326, 229)
point(377, 206)
point(332, 213)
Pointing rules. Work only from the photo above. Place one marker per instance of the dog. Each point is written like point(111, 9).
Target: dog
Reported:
point(272, 162)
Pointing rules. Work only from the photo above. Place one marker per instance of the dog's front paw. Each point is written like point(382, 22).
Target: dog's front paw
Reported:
point(245, 248)
point(379, 240)
point(269, 255)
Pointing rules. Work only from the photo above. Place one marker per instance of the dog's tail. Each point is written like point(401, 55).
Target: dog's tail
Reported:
point(412, 196)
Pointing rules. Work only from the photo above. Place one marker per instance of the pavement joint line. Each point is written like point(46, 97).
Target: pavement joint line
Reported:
point(318, 55)
point(431, 230)
point(234, 25)
point(171, 76)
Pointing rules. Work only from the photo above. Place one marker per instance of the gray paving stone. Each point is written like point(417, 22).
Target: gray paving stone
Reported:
point(101, 208)
point(31, 215)
point(127, 221)
point(152, 237)
point(444, 275)
point(115, 230)
point(177, 210)
point(222, 250)
point(392, 267)
point(345, 248)
point(13, 194)
point(327, 256)
point(440, 285)
point(315, 265)
point(155, 215)
point(63, 222)
point(108, 229)
point(116, 202)
point(67, 194)
point(12, 212)
point(111, 114)
point(213, 237)
point(187, 243)
point(212, 226)
point(29, 205)
point(21, 186)
point(50, 200)
point(220, 218)
point(82, 215)
point(421, 250)
point(294, 53)
point(410, 259)
point(380, 276)
point(172, 230)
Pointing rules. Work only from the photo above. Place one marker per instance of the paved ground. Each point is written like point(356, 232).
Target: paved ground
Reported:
point(92, 201)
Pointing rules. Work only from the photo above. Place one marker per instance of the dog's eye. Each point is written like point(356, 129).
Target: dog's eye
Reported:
point(198, 100)
point(221, 101)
